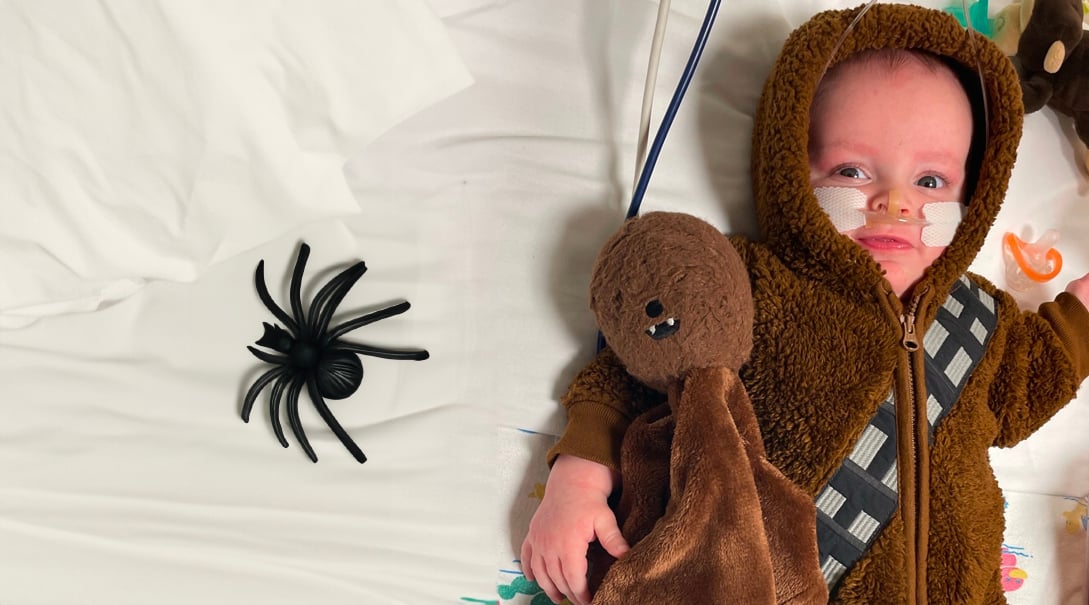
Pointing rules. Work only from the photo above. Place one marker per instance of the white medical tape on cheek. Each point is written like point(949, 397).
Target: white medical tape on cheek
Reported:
point(842, 205)
point(942, 220)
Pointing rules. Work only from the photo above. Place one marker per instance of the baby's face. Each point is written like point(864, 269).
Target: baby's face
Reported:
point(904, 132)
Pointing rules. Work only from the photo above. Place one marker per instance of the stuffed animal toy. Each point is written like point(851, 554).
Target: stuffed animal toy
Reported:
point(710, 520)
point(1051, 60)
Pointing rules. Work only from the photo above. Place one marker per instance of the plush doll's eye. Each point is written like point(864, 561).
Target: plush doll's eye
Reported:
point(654, 308)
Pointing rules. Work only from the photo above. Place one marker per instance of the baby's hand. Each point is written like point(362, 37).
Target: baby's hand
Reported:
point(1080, 288)
point(573, 512)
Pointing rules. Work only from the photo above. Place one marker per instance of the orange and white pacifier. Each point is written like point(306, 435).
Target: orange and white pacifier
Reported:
point(1030, 264)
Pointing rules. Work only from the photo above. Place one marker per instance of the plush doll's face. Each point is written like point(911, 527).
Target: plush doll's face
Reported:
point(671, 294)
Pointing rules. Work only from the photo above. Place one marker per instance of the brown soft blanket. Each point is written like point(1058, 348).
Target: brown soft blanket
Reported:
point(711, 520)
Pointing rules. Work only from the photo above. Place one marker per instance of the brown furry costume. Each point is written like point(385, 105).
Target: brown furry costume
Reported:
point(707, 513)
point(833, 345)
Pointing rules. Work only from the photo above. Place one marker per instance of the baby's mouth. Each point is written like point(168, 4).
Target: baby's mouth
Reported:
point(884, 241)
point(664, 329)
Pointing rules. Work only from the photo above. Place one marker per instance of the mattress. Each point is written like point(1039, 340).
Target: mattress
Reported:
point(474, 154)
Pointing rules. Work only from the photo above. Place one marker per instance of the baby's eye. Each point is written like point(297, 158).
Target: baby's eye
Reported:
point(931, 181)
point(851, 172)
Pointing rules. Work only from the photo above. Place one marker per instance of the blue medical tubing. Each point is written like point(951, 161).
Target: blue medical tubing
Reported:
point(671, 110)
point(667, 120)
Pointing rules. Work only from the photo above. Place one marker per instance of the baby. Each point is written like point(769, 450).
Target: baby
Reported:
point(882, 370)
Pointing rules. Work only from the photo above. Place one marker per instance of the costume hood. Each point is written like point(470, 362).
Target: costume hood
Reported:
point(791, 221)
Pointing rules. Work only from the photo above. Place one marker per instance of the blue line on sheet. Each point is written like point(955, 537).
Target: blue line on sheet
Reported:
point(532, 432)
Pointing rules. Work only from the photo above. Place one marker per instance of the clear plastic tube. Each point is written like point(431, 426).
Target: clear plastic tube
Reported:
point(648, 88)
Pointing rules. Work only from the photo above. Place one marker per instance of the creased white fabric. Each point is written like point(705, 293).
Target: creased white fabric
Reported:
point(126, 475)
point(146, 140)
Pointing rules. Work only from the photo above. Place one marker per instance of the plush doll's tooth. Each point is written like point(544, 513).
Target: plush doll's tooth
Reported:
point(651, 330)
point(670, 321)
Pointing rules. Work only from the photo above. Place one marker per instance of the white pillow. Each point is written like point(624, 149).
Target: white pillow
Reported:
point(148, 139)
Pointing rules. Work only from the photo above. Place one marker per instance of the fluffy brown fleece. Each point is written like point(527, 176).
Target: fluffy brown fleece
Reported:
point(708, 515)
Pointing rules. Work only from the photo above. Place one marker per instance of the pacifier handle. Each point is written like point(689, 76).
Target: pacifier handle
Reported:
point(1016, 247)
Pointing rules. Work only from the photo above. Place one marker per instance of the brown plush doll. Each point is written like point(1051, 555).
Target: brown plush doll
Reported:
point(710, 520)
point(1051, 60)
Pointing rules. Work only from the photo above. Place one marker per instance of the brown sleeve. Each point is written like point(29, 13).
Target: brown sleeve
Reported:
point(1070, 320)
point(1045, 360)
point(600, 404)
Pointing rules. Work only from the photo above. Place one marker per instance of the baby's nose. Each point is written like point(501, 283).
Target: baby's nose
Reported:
point(891, 208)
point(891, 204)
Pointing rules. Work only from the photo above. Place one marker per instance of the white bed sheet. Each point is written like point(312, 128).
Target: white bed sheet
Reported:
point(126, 472)
point(149, 140)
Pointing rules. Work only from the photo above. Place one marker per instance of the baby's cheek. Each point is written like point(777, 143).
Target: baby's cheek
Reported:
point(930, 254)
point(843, 205)
point(943, 219)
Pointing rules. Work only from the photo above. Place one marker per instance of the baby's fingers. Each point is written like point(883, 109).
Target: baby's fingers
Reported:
point(1080, 288)
point(554, 584)
point(527, 561)
point(536, 570)
point(608, 534)
point(578, 590)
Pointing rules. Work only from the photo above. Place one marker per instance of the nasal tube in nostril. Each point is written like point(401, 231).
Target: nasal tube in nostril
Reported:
point(892, 213)
point(893, 207)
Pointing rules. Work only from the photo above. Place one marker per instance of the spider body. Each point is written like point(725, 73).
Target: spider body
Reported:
point(339, 372)
point(310, 353)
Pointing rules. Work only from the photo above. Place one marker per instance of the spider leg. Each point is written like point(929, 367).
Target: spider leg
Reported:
point(268, 357)
point(274, 408)
point(359, 322)
point(412, 354)
point(296, 284)
point(262, 293)
point(329, 297)
point(327, 415)
point(293, 418)
point(258, 385)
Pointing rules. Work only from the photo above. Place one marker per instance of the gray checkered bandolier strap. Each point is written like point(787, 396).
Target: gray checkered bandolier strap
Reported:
point(861, 497)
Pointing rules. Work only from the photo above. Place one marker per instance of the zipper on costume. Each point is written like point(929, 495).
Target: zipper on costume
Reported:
point(910, 342)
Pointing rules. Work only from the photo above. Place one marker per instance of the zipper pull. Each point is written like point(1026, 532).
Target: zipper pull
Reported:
point(909, 341)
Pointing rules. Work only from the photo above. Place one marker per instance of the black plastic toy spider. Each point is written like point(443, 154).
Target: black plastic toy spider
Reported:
point(313, 354)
